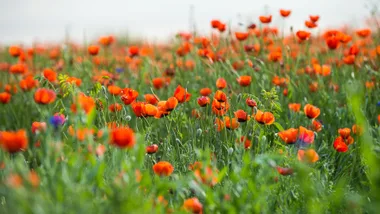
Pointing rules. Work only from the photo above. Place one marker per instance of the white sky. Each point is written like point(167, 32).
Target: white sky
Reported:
point(45, 20)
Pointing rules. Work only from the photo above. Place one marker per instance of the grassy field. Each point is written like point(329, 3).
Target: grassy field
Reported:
point(236, 122)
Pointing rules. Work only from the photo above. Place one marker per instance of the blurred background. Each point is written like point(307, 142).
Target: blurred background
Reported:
point(25, 21)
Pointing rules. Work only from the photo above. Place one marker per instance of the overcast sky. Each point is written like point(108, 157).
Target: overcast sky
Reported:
point(45, 20)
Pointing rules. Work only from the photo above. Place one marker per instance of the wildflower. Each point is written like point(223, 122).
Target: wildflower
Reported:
point(44, 96)
point(265, 19)
point(123, 137)
point(285, 13)
point(203, 101)
point(128, 95)
point(93, 50)
point(205, 91)
point(295, 107)
point(221, 83)
point(163, 168)
point(311, 111)
point(244, 80)
point(14, 141)
point(181, 94)
point(308, 156)
point(5, 97)
point(152, 149)
point(289, 136)
point(241, 115)
point(193, 205)
point(266, 118)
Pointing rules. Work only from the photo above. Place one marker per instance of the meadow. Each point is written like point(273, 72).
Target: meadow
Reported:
point(240, 121)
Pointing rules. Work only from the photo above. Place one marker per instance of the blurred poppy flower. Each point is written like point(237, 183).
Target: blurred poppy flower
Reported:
point(14, 141)
point(44, 96)
point(241, 36)
point(193, 205)
point(15, 51)
point(114, 90)
point(310, 24)
point(357, 129)
point(38, 127)
point(294, 106)
point(285, 13)
point(316, 125)
point(93, 50)
point(303, 35)
point(363, 32)
point(231, 123)
point(158, 82)
point(115, 107)
point(244, 80)
point(220, 96)
point(314, 18)
point(344, 133)
point(152, 149)
point(284, 171)
point(151, 99)
point(265, 19)
point(163, 168)
point(205, 91)
point(171, 103)
point(50, 75)
point(308, 156)
point(305, 135)
point(241, 115)
point(123, 137)
point(250, 102)
point(18, 68)
point(5, 97)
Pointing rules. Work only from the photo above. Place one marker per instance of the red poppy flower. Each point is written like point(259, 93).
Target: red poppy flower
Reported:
point(241, 115)
point(171, 103)
point(152, 149)
point(163, 168)
point(15, 51)
point(220, 96)
point(305, 135)
point(285, 13)
point(93, 50)
point(250, 102)
point(294, 106)
point(203, 101)
point(181, 94)
point(344, 133)
point(265, 19)
point(340, 145)
point(205, 91)
point(50, 75)
point(5, 97)
point(128, 95)
point(310, 24)
point(244, 80)
point(314, 18)
point(14, 141)
point(303, 35)
point(44, 96)
point(284, 171)
point(123, 137)
point(158, 82)
point(241, 36)
point(231, 123)
point(151, 99)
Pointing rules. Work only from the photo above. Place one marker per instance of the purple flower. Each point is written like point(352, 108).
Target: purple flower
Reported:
point(57, 120)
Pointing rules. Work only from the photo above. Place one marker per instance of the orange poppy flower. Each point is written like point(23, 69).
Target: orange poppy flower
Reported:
point(151, 149)
point(289, 136)
point(241, 36)
point(50, 75)
point(307, 136)
point(5, 97)
point(115, 107)
point(310, 24)
point(266, 118)
point(265, 19)
point(308, 156)
point(38, 127)
point(203, 101)
point(324, 70)
point(15, 51)
point(150, 110)
point(106, 40)
point(250, 102)
point(241, 115)
point(114, 90)
point(133, 51)
point(220, 96)
point(369, 84)
point(205, 91)
point(311, 111)
point(93, 50)
point(87, 103)
point(285, 13)
point(128, 95)
point(294, 106)
point(14, 141)
point(163, 168)
point(314, 18)
point(222, 27)
point(123, 137)
point(28, 83)
point(344, 133)
point(193, 205)
point(357, 129)
point(231, 123)
point(151, 99)
point(171, 103)
point(219, 124)
point(221, 83)
point(303, 35)
point(363, 32)
point(244, 80)
point(18, 68)
point(313, 87)
point(14, 181)
point(181, 94)
point(340, 145)
point(44, 96)
point(158, 82)
point(275, 56)
point(219, 108)
point(207, 176)
point(316, 125)
point(344, 38)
